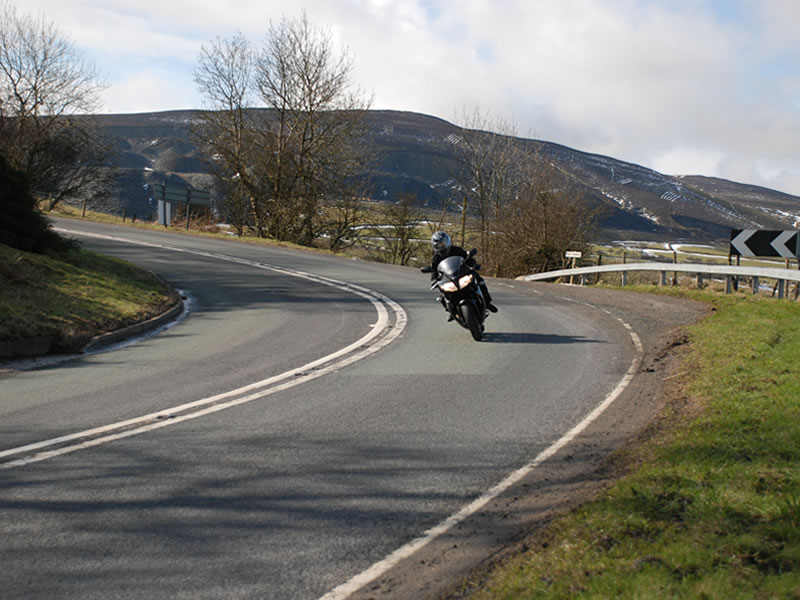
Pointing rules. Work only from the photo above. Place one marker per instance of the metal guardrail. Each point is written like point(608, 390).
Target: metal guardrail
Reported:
point(731, 273)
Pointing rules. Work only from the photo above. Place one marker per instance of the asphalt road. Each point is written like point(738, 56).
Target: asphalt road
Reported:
point(258, 459)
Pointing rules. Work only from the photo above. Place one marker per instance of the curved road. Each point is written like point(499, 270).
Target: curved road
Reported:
point(294, 437)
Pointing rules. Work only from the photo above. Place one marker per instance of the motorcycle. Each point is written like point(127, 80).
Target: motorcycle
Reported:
point(457, 282)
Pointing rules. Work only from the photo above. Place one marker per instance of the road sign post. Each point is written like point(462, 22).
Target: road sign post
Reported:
point(766, 243)
point(573, 255)
point(168, 195)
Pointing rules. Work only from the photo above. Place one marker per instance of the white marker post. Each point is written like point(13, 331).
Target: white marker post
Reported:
point(573, 255)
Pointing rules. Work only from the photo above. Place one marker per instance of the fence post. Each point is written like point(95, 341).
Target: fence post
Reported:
point(796, 285)
point(674, 262)
point(600, 262)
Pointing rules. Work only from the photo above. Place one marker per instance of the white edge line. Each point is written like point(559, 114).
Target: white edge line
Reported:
point(380, 568)
point(378, 300)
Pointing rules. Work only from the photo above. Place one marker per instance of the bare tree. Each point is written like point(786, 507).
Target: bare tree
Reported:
point(528, 212)
point(304, 148)
point(489, 174)
point(229, 130)
point(545, 218)
point(340, 220)
point(45, 87)
point(399, 232)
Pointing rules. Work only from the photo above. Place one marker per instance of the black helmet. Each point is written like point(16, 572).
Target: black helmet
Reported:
point(441, 242)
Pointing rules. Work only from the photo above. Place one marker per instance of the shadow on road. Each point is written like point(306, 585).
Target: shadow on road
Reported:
point(138, 520)
point(536, 338)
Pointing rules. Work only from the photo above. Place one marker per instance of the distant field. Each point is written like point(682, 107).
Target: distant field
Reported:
point(661, 251)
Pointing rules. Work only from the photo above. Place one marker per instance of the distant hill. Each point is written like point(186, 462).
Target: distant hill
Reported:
point(414, 155)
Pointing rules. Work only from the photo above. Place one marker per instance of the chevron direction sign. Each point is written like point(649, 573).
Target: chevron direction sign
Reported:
point(764, 242)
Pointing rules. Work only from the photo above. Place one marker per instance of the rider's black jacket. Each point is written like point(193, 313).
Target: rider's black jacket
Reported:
point(440, 256)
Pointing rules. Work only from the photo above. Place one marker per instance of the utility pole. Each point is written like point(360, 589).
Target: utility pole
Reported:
point(463, 222)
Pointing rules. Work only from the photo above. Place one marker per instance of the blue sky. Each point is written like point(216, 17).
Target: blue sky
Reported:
point(708, 87)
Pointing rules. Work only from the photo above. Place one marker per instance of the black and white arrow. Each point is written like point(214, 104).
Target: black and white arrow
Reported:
point(739, 242)
point(786, 244)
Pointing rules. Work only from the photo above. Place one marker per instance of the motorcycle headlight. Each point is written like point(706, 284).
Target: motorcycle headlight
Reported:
point(465, 281)
point(448, 286)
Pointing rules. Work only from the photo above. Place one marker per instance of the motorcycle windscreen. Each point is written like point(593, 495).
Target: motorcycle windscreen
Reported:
point(450, 266)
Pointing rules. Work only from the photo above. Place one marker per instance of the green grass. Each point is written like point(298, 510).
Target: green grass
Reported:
point(73, 298)
point(713, 508)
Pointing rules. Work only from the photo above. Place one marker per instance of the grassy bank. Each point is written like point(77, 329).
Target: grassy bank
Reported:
point(73, 298)
point(712, 507)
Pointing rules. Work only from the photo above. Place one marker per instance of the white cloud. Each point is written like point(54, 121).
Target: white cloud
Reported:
point(698, 86)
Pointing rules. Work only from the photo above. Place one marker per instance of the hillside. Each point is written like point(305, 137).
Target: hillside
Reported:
point(414, 155)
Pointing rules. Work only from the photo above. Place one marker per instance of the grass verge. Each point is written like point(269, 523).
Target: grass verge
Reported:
point(712, 507)
point(74, 297)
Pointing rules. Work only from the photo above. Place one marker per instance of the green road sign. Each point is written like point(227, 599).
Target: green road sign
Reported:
point(172, 193)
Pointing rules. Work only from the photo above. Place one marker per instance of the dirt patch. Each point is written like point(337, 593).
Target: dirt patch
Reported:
point(455, 564)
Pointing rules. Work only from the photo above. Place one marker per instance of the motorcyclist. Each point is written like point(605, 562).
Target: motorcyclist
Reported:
point(443, 247)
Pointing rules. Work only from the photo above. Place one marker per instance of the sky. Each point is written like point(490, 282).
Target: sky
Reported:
point(685, 87)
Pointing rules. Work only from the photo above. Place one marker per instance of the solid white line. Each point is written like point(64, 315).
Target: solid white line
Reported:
point(380, 568)
point(361, 347)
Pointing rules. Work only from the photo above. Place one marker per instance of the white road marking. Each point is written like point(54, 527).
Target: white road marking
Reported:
point(382, 567)
point(381, 334)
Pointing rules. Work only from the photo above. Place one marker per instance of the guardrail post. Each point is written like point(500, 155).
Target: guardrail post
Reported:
point(781, 286)
point(728, 284)
point(624, 278)
point(755, 285)
point(663, 278)
point(699, 281)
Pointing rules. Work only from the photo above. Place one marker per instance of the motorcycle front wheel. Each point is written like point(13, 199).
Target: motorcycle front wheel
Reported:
point(470, 315)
